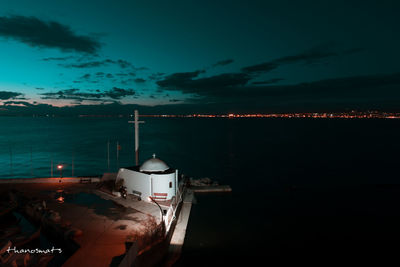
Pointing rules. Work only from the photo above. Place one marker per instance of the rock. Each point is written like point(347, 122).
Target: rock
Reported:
point(202, 182)
point(116, 193)
point(54, 216)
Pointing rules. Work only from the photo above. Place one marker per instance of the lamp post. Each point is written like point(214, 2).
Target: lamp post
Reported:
point(60, 167)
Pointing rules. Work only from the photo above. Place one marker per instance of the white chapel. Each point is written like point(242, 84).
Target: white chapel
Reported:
point(154, 179)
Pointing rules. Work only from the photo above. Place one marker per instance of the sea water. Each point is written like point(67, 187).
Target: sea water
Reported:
point(302, 188)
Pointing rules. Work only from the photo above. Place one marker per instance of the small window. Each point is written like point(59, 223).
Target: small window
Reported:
point(170, 184)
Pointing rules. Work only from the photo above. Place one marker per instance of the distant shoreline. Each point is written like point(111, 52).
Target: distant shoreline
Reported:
point(312, 115)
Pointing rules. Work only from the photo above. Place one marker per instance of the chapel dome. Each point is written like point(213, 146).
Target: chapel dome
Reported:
point(154, 165)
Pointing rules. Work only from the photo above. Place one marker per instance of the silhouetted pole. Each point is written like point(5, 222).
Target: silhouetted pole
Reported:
point(117, 154)
point(72, 165)
point(31, 163)
point(108, 155)
point(11, 165)
point(51, 165)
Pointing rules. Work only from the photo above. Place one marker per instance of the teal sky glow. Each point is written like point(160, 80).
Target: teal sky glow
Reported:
point(213, 55)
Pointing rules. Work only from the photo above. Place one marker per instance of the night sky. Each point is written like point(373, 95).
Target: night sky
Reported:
point(198, 56)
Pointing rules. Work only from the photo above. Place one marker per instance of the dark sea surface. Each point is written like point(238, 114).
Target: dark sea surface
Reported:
point(304, 190)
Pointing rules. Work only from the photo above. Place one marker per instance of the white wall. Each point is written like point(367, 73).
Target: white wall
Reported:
point(145, 183)
point(135, 181)
point(161, 184)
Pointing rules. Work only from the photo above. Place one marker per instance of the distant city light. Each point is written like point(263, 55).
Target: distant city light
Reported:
point(316, 115)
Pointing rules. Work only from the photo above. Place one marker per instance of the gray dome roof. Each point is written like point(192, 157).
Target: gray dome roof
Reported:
point(154, 165)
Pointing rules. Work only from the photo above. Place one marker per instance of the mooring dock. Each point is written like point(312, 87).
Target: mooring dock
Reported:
point(211, 189)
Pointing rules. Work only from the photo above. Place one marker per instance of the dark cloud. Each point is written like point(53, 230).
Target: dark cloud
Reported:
point(178, 81)
point(360, 92)
point(260, 68)
point(26, 108)
point(123, 63)
point(70, 94)
point(141, 68)
point(109, 75)
point(5, 95)
point(76, 94)
point(86, 76)
point(23, 103)
point(39, 33)
point(223, 62)
point(307, 57)
point(57, 58)
point(118, 93)
point(311, 56)
point(234, 88)
point(139, 80)
point(125, 74)
point(127, 81)
point(156, 76)
point(90, 64)
point(270, 81)
point(217, 84)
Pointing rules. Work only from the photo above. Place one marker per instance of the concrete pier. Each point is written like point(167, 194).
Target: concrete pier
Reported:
point(178, 236)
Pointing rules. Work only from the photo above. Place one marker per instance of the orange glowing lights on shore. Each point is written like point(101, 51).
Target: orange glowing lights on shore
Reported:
point(313, 115)
point(60, 166)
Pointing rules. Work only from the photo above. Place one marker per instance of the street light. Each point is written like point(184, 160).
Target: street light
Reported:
point(60, 167)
